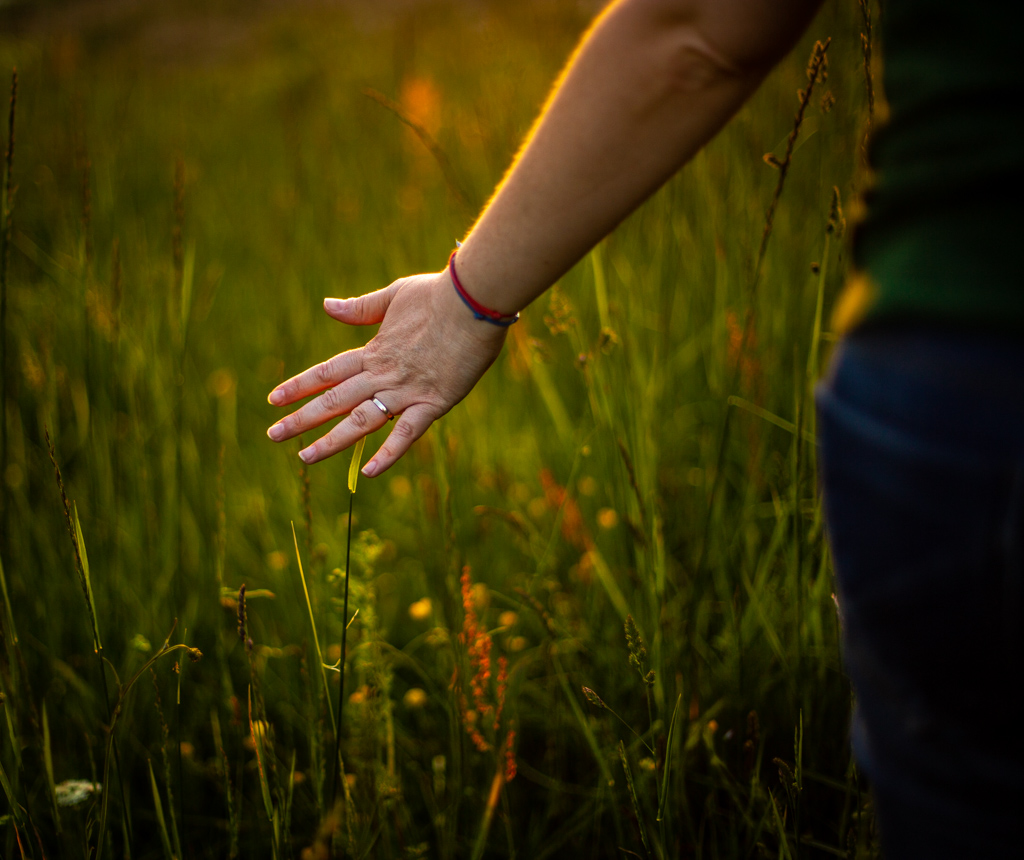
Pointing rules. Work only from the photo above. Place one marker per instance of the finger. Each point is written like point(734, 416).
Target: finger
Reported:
point(362, 310)
point(340, 400)
point(361, 421)
point(318, 377)
point(410, 425)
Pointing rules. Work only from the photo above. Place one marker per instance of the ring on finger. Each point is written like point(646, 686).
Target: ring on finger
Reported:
point(376, 402)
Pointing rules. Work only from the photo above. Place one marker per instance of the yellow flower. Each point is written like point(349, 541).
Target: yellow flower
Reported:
point(421, 609)
point(414, 698)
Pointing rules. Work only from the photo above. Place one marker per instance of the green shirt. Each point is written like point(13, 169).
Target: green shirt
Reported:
point(943, 227)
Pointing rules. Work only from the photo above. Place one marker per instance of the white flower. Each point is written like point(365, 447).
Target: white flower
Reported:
point(72, 792)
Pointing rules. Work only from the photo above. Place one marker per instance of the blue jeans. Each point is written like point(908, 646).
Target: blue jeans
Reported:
point(922, 461)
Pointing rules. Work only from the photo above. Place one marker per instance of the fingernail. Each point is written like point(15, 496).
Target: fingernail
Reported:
point(276, 432)
point(276, 397)
point(370, 469)
point(306, 455)
point(335, 305)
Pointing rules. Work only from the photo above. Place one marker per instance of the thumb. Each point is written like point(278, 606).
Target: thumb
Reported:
point(362, 310)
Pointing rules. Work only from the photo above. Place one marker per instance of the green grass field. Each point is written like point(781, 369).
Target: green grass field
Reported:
point(189, 181)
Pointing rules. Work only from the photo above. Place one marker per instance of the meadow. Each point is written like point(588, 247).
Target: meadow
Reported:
point(589, 615)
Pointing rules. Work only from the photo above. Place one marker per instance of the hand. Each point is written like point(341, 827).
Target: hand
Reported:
point(428, 354)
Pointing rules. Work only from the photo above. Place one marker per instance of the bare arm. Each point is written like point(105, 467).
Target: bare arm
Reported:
point(649, 85)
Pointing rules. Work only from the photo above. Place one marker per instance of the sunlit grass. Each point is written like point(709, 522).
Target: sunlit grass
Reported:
point(642, 449)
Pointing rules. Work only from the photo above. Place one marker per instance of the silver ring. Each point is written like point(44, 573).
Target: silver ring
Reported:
point(383, 408)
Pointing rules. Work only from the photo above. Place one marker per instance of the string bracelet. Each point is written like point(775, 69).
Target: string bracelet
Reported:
point(479, 311)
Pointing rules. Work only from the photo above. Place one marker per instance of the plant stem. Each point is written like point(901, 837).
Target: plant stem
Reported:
point(344, 639)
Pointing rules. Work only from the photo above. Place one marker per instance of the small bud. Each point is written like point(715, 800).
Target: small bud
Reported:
point(593, 698)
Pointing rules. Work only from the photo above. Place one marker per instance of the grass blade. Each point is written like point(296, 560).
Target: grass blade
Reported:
point(633, 797)
point(316, 638)
point(5, 783)
point(86, 580)
point(353, 467)
point(668, 759)
point(257, 742)
point(492, 802)
point(48, 764)
point(7, 604)
point(784, 852)
point(158, 806)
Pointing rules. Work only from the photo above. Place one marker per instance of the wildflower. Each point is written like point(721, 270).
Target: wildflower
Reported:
point(414, 698)
point(499, 696)
point(510, 756)
point(558, 499)
point(559, 318)
point(72, 792)
point(742, 345)
point(421, 609)
point(480, 694)
point(141, 644)
point(400, 487)
point(421, 98)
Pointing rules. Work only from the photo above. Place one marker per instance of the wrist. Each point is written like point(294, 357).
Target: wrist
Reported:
point(480, 311)
point(458, 320)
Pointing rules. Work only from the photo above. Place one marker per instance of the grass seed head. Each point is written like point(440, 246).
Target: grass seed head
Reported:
point(637, 650)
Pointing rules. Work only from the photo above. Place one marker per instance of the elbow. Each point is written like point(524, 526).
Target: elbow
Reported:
point(701, 43)
point(692, 64)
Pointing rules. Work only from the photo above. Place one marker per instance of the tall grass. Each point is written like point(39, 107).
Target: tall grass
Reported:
point(593, 607)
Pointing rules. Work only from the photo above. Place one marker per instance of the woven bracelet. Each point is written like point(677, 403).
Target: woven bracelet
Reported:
point(479, 311)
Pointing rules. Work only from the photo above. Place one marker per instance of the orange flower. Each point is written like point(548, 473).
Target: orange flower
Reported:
point(502, 688)
point(574, 530)
point(742, 353)
point(484, 696)
point(510, 756)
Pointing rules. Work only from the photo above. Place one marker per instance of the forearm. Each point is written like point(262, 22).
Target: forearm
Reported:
point(647, 88)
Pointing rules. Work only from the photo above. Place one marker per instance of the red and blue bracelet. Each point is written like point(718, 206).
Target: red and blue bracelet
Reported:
point(479, 311)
